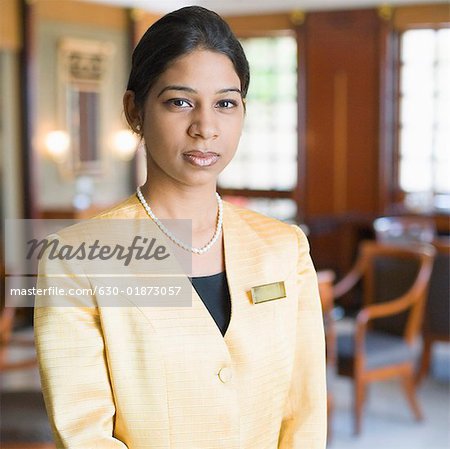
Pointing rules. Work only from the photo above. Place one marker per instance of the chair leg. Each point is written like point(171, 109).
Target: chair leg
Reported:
point(330, 409)
point(409, 386)
point(425, 361)
point(360, 387)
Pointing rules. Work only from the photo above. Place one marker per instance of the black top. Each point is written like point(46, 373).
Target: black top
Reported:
point(214, 292)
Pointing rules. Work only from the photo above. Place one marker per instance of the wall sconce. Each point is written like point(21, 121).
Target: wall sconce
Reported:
point(57, 145)
point(125, 143)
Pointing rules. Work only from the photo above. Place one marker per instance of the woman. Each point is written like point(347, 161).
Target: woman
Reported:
point(243, 367)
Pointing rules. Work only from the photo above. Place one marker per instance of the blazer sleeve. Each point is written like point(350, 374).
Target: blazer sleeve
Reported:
point(304, 423)
point(72, 362)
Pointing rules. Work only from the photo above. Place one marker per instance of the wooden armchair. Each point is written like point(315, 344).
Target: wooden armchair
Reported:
point(437, 312)
point(326, 280)
point(406, 230)
point(7, 339)
point(394, 285)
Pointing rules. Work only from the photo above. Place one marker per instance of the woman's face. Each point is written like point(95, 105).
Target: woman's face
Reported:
point(193, 118)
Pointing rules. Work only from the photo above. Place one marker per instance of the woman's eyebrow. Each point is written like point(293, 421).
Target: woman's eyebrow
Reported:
point(182, 88)
point(193, 91)
point(229, 89)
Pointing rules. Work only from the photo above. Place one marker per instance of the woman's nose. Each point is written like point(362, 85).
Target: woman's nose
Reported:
point(204, 125)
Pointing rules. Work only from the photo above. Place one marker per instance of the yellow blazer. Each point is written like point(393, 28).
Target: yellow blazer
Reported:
point(164, 377)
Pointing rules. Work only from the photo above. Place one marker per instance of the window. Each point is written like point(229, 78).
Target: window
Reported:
point(266, 159)
point(424, 119)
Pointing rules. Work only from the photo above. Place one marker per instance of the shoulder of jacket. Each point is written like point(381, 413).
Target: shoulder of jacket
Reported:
point(128, 208)
point(260, 222)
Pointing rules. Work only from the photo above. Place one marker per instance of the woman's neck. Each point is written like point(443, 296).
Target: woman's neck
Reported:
point(170, 201)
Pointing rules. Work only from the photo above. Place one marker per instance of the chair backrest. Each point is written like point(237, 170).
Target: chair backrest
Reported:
point(392, 273)
point(325, 280)
point(404, 230)
point(6, 318)
point(5, 313)
point(437, 316)
point(393, 278)
point(7, 338)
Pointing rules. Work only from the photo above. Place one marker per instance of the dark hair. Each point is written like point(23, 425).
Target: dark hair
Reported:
point(176, 34)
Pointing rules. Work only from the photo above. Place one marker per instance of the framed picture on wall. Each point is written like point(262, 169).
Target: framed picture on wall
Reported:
point(83, 66)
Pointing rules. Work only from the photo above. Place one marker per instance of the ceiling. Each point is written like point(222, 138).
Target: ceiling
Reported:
point(257, 6)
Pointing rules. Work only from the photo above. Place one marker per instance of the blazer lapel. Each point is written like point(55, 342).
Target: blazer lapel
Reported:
point(249, 262)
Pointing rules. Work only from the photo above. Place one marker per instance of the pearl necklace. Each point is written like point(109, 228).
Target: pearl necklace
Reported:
point(174, 239)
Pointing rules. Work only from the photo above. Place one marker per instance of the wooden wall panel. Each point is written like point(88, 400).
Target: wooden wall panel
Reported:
point(421, 16)
point(261, 24)
point(342, 112)
point(10, 38)
point(142, 20)
point(74, 11)
point(342, 65)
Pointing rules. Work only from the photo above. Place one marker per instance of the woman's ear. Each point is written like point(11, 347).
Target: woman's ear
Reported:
point(132, 112)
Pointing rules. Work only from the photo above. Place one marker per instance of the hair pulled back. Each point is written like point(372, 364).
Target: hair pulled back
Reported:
point(179, 33)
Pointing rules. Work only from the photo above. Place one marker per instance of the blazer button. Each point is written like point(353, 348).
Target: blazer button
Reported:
point(225, 374)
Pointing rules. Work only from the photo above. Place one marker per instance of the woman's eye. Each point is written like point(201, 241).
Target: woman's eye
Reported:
point(226, 104)
point(179, 103)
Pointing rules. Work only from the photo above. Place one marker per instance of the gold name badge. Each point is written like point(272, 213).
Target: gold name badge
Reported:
point(268, 292)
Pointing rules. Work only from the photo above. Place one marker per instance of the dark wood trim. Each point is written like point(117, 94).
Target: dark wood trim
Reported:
point(131, 43)
point(142, 21)
point(28, 446)
point(396, 194)
point(408, 17)
point(300, 193)
point(10, 26)
point(26, 76)
point(260, 24)
point(388, 115)
point(86, 13)
point(272, 194)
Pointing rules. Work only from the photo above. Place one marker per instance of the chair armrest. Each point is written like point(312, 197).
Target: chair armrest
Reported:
point(347, 282)
point(385, 309)
point(374, 311)
point(325, 280)
point(6, 323)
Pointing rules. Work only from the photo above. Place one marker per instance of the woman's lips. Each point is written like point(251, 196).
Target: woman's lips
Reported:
point(200, 158)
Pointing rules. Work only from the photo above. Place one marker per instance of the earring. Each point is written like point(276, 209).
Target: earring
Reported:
point(138, 127)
